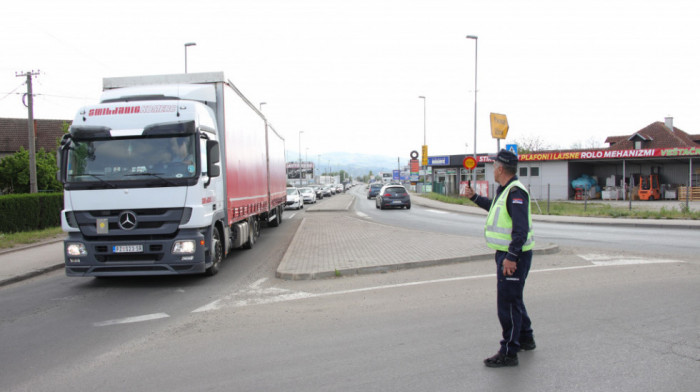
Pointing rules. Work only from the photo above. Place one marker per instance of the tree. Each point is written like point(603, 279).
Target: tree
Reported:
point(530, 144)
point(14, 172)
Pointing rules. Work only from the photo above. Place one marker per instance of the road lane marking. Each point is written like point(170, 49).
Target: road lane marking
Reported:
point(291, 216)
point(361, 214)
point(609, 260)
point(254, 295)
point(129, 320)
point(436, 211)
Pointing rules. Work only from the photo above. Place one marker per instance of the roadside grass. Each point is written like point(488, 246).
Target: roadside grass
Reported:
point(596, 209)
point(10, 240)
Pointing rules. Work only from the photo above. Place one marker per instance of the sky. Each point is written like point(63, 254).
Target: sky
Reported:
point(348, 74)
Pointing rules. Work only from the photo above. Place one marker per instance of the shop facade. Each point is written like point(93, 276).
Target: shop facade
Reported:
point(658, 150)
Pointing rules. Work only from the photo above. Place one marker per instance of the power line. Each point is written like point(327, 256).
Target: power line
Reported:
point(12, 92)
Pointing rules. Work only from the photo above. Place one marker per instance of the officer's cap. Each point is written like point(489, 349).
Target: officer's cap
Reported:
point(507, 158)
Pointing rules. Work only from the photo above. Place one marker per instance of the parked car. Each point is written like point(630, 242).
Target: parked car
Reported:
point(308, 195)
point(393, 196)
point(339, 188)
point(318, 190)
point(294, 199)
point(374, 189)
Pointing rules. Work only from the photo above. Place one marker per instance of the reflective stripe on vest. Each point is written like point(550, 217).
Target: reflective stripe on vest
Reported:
point(499, 225)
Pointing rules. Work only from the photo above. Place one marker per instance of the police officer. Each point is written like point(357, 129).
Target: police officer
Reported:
point(508, 230)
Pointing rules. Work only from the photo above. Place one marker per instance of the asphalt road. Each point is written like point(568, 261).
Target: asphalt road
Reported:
point(613, 238)
point(603, 320)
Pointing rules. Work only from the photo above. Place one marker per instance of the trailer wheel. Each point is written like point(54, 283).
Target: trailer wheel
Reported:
point(253, 233)
point(278, 218)
point(216, 251)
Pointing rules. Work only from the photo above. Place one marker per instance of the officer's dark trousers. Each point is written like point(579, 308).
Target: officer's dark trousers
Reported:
point(511, 308)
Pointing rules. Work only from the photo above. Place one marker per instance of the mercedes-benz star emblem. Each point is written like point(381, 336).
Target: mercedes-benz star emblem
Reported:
point(127, 220)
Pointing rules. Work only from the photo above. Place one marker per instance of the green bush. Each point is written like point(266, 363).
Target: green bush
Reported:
point(24, 212)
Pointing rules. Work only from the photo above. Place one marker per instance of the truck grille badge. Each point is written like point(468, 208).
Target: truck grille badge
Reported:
point(127, 220)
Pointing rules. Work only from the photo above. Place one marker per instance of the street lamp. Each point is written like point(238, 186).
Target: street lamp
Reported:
point(300, 132)
point(186, 45)
point(476, 53)
point(262, 103)
point(425, 142)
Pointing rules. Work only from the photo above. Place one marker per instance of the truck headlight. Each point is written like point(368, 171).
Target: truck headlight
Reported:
point(74, 249)
point(184, 247)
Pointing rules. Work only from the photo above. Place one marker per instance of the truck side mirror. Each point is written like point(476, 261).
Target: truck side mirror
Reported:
point(213, 157)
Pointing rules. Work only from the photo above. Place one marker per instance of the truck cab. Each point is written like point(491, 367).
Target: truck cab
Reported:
point(142, 186)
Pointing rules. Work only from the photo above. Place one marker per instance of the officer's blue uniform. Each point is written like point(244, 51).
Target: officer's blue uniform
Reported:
point(511, 309)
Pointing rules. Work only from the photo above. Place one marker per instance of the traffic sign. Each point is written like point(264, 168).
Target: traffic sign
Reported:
point(512, 148)
point(499, 126)
point(469, 163)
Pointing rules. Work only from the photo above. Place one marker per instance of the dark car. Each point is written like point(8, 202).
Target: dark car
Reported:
point(393, 196)
point(374, 189)
point(318, 190)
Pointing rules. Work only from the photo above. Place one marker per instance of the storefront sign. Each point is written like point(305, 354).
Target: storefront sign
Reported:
point(610, 154)
point(439, 161)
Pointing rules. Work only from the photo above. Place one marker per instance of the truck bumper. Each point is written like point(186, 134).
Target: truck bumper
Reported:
point(124, 256)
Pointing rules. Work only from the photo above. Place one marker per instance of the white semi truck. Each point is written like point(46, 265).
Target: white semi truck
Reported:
point(166, 175)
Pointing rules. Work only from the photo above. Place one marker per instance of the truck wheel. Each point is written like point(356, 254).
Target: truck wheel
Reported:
point(216, 250)
point(278, 218)
point(253, 233)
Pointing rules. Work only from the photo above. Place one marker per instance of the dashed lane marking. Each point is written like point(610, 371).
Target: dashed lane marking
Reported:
point(129, 320)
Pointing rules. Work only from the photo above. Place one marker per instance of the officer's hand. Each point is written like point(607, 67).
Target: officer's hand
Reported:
point(509, 267)
point(469, 192)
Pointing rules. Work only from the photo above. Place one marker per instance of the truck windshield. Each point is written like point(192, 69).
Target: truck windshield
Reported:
point(128, 159)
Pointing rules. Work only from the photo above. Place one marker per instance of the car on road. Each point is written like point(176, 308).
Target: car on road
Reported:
point(308, 195)
point(393, 196)
point(294, 199)
point(374, 189)
point(328, 190)
point(318, 189)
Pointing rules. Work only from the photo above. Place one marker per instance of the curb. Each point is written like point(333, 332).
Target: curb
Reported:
point(30, 275)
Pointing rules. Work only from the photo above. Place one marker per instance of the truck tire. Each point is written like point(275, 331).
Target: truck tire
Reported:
point(278, 218)
point(216, 253)
point(253, 233)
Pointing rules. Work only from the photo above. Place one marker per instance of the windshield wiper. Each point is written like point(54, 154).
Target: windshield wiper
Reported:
point(101, 180)
point(156, 175)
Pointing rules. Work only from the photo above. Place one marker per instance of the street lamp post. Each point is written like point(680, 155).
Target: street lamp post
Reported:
point(476, 53)
point(425, 140)
point(186, 45)
point(300, 183)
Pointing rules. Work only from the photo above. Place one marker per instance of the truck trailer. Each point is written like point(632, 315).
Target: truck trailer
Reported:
point(166, 175)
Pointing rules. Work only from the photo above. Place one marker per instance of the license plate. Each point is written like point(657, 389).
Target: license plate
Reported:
point(127, 248)
point(397, 202)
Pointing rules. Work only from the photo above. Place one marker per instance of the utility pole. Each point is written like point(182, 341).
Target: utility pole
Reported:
point(33, 188)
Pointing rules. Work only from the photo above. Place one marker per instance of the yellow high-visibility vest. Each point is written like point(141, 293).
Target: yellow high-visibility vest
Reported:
point(499, 225)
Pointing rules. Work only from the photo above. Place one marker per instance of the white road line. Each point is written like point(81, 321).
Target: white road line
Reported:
point(436, 211)
point(291, 216)
point(605, 260)
point(361, 214)
point(129, 320)
point(275, 295)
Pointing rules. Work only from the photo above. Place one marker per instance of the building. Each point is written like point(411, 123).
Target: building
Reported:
point(659, 148)
point(14, 134)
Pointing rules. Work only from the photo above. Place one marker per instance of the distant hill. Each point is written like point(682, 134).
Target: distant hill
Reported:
point(353, 163)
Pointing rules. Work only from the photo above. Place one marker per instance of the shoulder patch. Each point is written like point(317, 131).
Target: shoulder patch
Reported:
point(517, 200)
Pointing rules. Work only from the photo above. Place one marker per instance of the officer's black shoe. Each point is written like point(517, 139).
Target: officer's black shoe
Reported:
point(527, 345)
point(501, 360)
